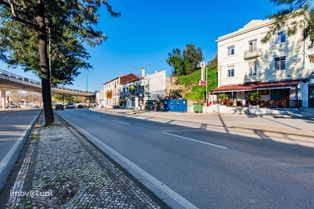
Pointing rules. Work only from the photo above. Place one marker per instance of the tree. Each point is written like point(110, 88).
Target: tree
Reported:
point(192, 56)
point(29, 29)
point(175, 59)
point(214, 62)
point(290, 9)
point(185, 62)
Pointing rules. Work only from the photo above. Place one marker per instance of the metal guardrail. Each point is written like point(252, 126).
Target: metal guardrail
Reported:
point(18, 77)
point(30, 81)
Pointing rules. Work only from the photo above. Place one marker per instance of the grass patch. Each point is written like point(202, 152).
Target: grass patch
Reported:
point(35, 137)
point(195, 92)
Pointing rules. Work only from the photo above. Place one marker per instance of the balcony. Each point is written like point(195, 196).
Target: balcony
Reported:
point(251, 54)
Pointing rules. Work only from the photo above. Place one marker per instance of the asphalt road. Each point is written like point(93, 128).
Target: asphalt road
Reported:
point(12, 126)
point(208, 168)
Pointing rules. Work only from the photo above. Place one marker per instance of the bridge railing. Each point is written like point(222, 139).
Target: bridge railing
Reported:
point(31, 81)
point(18, 77)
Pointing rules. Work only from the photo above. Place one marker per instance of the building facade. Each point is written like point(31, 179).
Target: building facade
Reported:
point(100, 98)
point(112, 89)
point(149, 87)
point(280, 70)
point(156, 85)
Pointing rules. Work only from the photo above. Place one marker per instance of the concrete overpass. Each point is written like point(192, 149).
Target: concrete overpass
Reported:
point(10, 81)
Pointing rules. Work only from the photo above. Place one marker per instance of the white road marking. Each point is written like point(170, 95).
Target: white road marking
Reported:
point(194, 140)
point(4, 118)
point(117, 121)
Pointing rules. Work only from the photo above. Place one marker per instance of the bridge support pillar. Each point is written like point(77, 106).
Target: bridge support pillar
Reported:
point(3, 99)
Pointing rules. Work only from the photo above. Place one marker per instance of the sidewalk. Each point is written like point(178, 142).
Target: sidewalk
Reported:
point(294, 128)
point(63, 170)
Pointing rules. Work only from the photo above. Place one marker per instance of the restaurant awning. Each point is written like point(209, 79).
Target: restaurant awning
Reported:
point(257, 86)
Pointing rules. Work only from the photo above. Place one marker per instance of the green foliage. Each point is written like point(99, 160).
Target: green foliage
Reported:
point(69, 24)
point(291, 9)
point(185, 62)
point(223, 97)
point(195, 92)
point(253, 97)
point(193, 78)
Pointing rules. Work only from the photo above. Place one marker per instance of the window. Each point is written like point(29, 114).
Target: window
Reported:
point(279, 94)
point(281, 37)
point(231, 71)
point(231, 50)
point(253, 68)
point(253, 45)
point(280, 63)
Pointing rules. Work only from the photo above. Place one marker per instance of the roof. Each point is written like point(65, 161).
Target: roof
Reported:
point(124, 79)
point(254, 25)
point(256, 86)
point(111, 80)
point(250, 26)
point(128, 78)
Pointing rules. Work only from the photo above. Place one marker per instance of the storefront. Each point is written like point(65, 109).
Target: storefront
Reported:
point(283, 94)
point(311, 96)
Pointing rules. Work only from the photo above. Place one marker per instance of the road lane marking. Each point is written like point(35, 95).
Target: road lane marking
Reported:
point(173, 199)
point(4, 118)
point(117, 121)
point(194, 140)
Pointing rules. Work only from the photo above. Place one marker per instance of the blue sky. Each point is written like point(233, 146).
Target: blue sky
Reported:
point(148, 30)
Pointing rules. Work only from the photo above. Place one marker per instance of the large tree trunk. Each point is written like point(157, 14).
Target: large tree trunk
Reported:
point(44, 66)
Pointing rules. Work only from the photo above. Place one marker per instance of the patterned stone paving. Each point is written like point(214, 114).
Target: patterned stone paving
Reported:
point(62, 170)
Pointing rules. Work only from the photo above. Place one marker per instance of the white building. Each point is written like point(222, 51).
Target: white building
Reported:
point(280, 70)
point(149, 87)
point(109, 97)
point(100, 98)
point(156, 85)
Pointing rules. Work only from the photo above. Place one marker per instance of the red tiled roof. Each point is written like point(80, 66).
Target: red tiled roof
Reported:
point(128, 78)
point(111, 80)
point(256, 85)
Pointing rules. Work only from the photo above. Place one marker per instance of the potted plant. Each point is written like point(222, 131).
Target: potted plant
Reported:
point(223, 99)
point(253, 98)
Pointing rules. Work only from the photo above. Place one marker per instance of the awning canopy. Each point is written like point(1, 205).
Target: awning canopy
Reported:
point(257, 86)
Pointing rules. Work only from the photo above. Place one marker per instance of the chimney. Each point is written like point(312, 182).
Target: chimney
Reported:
point(143, 72)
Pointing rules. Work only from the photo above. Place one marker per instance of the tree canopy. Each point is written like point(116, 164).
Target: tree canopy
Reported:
point(69, 25)
point(185, 62)
point(47, 37)
point(290, 9)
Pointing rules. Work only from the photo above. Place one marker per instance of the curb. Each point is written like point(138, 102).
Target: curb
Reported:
point(7, 164)
point(286, 132)
point(163, 192)
point(309, 135)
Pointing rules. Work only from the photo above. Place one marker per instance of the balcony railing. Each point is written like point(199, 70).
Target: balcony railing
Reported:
point(250, 54)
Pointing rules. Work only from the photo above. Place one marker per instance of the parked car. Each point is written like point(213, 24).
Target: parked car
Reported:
point(70, 105)
point(35, 106)
point(59, 107)
point(80, 106)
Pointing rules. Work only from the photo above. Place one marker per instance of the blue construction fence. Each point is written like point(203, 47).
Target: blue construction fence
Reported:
point(176, 105)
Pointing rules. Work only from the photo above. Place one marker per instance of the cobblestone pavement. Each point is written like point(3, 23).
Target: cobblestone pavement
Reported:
point(62, 170)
